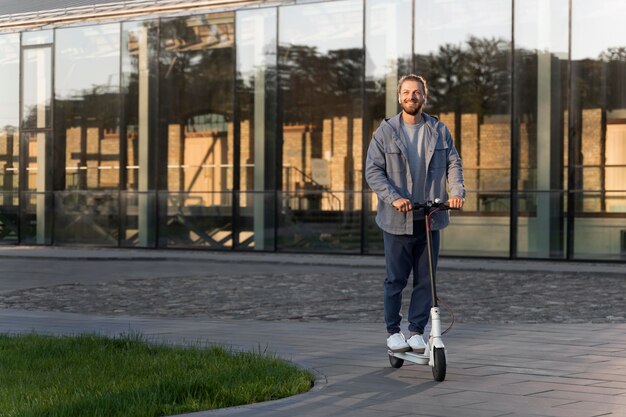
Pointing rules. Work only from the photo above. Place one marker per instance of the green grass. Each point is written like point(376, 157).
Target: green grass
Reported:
point(95, 376)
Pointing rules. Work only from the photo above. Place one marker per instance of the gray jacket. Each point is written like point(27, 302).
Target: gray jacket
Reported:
point(387, 172)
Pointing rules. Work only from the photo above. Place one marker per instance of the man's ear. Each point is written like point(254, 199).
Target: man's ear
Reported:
point(399, 99)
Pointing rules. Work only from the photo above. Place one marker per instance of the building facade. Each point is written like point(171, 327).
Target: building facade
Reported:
point(243, 125)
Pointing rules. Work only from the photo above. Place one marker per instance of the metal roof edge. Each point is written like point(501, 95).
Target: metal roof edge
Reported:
point(120, 9)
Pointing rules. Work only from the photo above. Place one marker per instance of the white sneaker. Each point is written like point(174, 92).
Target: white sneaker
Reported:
point(417, 343)
point(397, 343)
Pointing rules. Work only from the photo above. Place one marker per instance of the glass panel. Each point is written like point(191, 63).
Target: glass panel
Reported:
point(373, 239)
point(192, 220)
point(320, 77)
point(532, 240)
point(139, 97)
point(388, 57)
point(86, 218)
point(465, 58)
point(599, 129)
point(478, 234)
point(87, 141)
point(34, 230)
point(9, 217)
point(253, 233)
point(134, 208)
point(37, 88)
point(38, 37)
point(36, 202)
point(35, 148)
point(138, 142)
point(600, 235)
point(9, 135)
point(318, 230)
point(196, 125)
point(196, 59)
point(541, 55)
point(256, 89)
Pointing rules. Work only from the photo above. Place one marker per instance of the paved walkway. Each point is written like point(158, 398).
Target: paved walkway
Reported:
point(525, 361)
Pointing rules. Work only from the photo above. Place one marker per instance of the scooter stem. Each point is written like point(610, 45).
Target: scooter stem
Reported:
point(429, 246)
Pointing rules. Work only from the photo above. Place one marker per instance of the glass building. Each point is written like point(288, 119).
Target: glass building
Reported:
point(243, 125)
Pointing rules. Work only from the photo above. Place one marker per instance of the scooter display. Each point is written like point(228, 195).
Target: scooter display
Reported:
point(435, 353)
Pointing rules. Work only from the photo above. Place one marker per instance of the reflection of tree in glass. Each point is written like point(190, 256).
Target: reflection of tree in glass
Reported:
point(600, 83)
point(96, 107)
point(444, 75)
point(30, 115)
point(317, 86)
point(614, 54)
point(246, 85)
point(376, 92)
point(614, 60)
point(469, 78)
point(196, 67)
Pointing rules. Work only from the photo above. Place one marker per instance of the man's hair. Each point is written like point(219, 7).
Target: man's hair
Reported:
point(413, 77)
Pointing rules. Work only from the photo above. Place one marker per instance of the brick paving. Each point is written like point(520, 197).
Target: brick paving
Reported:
point(475, 296)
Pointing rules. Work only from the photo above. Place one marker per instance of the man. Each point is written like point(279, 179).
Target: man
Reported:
point(411, 158)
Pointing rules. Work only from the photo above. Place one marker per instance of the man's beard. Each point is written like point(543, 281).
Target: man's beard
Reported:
point(412, 108)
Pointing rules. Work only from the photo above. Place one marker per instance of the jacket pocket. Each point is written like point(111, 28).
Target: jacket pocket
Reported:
point(394, 159)
point(440, 157)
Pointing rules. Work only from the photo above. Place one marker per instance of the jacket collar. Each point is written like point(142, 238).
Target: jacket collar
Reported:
point(429, 121)
point(430, 137)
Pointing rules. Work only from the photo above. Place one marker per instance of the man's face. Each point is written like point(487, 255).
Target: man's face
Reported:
point(412, 97)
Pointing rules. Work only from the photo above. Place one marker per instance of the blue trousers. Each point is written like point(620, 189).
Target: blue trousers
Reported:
point(403, 254)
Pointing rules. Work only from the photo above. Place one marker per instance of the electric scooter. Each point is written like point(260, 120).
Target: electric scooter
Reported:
point(435, 353)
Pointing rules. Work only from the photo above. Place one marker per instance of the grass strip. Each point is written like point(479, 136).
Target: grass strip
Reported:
point(126, 376)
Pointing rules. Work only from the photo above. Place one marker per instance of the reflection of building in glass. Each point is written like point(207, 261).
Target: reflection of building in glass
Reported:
point(244, 126)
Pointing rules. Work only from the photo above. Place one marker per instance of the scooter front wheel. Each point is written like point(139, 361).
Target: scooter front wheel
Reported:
point(439, 368)
point(395, 362)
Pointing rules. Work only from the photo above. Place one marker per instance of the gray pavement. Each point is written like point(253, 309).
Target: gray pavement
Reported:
point(532, 338)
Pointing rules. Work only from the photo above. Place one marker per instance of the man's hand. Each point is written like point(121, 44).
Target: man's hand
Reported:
point(456, 202)
point(402, 204)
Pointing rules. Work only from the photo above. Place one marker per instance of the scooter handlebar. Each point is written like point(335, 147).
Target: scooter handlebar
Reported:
point(437, 204)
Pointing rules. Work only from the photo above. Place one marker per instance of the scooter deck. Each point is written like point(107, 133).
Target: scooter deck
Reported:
point(418, 358)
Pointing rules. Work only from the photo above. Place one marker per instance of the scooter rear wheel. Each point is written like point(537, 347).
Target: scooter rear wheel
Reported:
point(439, 368)
point(395, 362)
